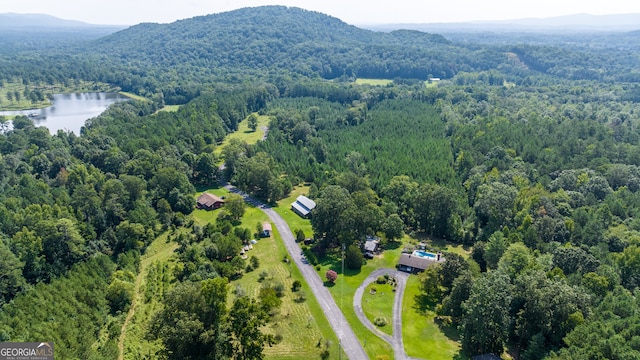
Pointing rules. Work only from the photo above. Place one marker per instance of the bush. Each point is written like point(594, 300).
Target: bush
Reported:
point(353, 258)
point(254, 261)
point(302, 297)
point(279, 288)
point(381, 280)
point(380, 321)
point(263, 275)
point(296, 285)
point(331, 276)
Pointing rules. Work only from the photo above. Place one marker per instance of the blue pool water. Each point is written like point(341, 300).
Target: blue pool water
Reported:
point(424, 254)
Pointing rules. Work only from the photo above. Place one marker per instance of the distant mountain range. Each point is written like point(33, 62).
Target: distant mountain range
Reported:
point(568, 23)
point(26, 22)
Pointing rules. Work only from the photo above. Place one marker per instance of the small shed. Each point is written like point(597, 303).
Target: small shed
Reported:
point(371, 244)
point(266, 229)
point(414, 264)
point(209, 201)
point(303, 206)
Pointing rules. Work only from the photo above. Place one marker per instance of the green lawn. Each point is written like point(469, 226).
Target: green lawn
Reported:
point(421, 335)
point(302, 324)
point(245, 134)
point(134, 96)
point(294, 221)
point(379, 304)
point(376, 82)
point(169, 108)
point(344, 290)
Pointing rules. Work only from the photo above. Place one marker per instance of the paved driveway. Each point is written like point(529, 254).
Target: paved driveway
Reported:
point(396, 340)
point(341, 327)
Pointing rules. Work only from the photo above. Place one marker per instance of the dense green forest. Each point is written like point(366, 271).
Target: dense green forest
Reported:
point(527, 152)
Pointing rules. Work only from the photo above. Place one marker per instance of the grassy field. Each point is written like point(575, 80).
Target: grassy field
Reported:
point(379, 304)
point(133, 343)
point(169, 108)
point(376, 82)
point(134, 96)
point(294, 221)
point(245, 134)
point(344, 290)
point(421, 335)
point(302, 325)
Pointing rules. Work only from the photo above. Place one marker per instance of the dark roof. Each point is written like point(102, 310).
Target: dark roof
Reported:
point(415, 261)
point(207, 199)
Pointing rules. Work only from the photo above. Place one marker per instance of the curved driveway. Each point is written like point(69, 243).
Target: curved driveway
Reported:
point(341, 327)
point(396, 340)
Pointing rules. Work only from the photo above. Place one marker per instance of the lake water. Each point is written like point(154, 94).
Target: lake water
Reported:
point(70, 111)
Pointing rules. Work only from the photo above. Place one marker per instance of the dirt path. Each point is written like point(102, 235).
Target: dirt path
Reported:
point(158, 250)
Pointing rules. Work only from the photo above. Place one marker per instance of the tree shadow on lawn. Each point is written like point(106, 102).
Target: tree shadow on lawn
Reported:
point(392, 245)
point(335, 264)
point(329, 284)
point(424, 303)
point(449, 329)
point(201, 188)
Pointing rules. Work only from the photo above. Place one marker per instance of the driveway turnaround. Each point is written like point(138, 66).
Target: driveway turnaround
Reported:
point(348, 340)
point(396, 340)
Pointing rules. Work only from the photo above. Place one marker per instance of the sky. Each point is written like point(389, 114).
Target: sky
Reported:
point(356, 12)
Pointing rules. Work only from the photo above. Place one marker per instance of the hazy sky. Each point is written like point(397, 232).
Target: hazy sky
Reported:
point(129, 12)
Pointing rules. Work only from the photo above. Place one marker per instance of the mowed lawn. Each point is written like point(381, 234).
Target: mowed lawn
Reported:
point(302, 325)
point(421, 335)
point(344, 290)
point(245, 134)
point(375, 82)
point(294, 221)
point(379, 304)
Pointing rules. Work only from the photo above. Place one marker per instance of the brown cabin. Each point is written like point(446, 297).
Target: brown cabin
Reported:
point(209, 201)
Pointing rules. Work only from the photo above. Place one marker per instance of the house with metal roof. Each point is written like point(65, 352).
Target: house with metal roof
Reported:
point(303, 206)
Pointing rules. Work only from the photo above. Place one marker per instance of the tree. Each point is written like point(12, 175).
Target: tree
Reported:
point(193, 323)
point(495, 247)
point(206, 170)
point(120, 294)
point(331, 276)
point(235, 205)
point(629, 263)
point(246, 318)
point(253, 121)
point(353, 258)
point(300, 236)
point(393, 227)
point(330, 220)
point(485, 323)
point(11, 279)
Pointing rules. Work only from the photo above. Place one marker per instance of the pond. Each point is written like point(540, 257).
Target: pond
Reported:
point(70, 111)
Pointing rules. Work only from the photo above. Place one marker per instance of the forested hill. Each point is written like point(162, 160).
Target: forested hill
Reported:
point(305, 42)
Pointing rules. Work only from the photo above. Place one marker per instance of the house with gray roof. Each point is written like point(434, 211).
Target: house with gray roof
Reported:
point(303, 206)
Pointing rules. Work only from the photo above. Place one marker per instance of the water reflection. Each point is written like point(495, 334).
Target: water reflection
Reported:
point(70, 111)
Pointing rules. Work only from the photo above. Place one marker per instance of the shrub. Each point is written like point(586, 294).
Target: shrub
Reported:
point(380, 321)
point(331, 276)
point(296, 285)
point(381, 280)
point(254, 261)
point(263, 275)
point(302, 297)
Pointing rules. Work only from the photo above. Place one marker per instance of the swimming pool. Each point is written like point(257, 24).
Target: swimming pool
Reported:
point(424, 254)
